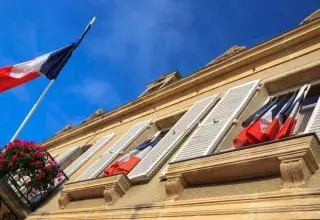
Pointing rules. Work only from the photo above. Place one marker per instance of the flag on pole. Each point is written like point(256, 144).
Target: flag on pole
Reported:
point(242, 139)
point(48, 65)
point(257, 130)
point(274, 127)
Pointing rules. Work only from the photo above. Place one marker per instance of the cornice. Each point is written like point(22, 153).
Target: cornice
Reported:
point(111, 188)
point(284, 204)
point(250, 56)
point(295, 158)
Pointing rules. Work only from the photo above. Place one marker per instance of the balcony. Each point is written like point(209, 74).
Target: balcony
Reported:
point(295, 159)
point(111, 188)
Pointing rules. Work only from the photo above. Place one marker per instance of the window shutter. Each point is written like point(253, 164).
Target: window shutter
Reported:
point(212, 129)
point(87, 155)
point(105, 160)
point(67, 154)
point(314, 121)
point(152, 162)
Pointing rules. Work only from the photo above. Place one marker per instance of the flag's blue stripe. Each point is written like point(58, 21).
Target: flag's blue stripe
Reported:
point(56, 61)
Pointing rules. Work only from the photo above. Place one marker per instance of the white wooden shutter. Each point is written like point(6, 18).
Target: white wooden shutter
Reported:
point(151, 163)
point(107, 158)
point(213, 128)
point(314, 121)
point(87, 155)
point(67, 154)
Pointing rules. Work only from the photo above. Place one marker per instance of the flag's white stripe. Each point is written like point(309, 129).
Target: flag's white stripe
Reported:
point(22, 69)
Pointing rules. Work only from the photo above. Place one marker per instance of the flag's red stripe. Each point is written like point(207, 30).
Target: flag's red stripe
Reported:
point(272, 130)
point(242, 140)
point(254, 132)
point(286, 129)
point(7, 82)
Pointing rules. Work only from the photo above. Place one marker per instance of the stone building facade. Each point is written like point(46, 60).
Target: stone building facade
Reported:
point(194, 172)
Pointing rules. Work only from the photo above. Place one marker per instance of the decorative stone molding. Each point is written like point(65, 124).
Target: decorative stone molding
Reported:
point(95, 115)
point(294, 158)
point(294, 170)
point(228, 53)
point(298, 203)
point(66, 128)
point(111, 188)
point(175, 187)
point(311, 17)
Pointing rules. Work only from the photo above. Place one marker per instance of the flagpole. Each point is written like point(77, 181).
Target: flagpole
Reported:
point(34, 107)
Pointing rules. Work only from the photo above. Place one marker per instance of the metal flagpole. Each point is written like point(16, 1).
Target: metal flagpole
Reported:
point(50, 83)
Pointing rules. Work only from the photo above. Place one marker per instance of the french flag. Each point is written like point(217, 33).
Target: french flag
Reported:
point(257, 131)
point(292, 115)
point(242, 139)
point(274, 127)
point(49, 65)
point(126, 163)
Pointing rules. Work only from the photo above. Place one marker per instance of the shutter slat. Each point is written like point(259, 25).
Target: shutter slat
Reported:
point(66, 154)
point(87, 155)
point(314, 121)
point(212, 129)
point(106, 159)
point(157, 156)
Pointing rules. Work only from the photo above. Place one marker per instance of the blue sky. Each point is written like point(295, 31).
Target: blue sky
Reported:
point(131, 44)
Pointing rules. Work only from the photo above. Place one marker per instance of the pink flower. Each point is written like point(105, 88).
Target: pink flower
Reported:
point(2, 156)
point(36, 154)
point(41, 175)
point(59, 179)
point(14, 157)
point(17, 142)
point(30, 147)
point(41, 147)
point(22, 153)
point(10, 146)
point(26, 181)
point(10, 164)
point(37, 163)
point(2, 161)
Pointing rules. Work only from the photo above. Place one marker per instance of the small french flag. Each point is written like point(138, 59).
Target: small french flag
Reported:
point(49, 65)
point(274, 127)
point(127, 162)
point(292, 116)
point(258, 129)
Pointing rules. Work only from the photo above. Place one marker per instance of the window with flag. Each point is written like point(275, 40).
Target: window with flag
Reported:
point(283, 115)
point(131, 159)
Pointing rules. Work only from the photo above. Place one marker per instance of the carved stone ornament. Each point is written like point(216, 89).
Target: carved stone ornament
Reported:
point(228, 53)
point(66, 128)
point(311, 17)
point(96, 114)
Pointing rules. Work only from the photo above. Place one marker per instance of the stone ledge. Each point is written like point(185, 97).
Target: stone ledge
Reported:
point(294, 158)
point(111, 188)
point(286, 204)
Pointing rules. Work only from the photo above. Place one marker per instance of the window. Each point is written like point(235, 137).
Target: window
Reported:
point(114, 151)
point(285, 114)
point(214, 127)
point(151, 164)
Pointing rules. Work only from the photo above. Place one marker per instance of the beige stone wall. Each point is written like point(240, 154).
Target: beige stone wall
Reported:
point(288, 59)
